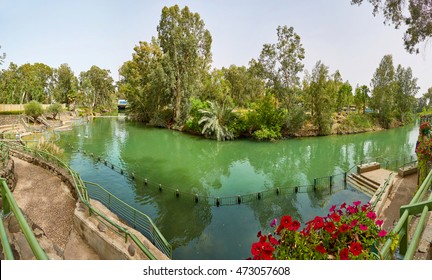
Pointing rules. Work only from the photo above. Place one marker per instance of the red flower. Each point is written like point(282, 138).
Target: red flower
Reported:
point(382, 233)
point(357, 203)
point(344, 227)
point(330, 227)
point(273, 240)
point(333, 208)
point(354, 223)
point(294, 226)
point(318, 223)
point(335, 217)
point(356, 248)
point(344, 254)
point(320, 248)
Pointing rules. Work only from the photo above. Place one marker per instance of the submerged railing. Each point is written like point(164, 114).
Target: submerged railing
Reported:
point(9, 204)
point(323, 185)
point(408, 247)
point(83, 196)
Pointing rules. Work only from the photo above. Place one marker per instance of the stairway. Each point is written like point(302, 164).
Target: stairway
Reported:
point(362, 183)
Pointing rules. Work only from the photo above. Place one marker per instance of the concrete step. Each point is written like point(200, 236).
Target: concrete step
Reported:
point(366, 181)
point(359, 185)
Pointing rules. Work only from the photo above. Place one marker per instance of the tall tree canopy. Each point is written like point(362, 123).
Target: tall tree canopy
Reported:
point(417, 17)
point(97, 89)
point(383, 89)
point(282, 62)
point(185, 41)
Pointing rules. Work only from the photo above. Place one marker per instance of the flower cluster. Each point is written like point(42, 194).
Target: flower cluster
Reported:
point(424, 149)
point(347, 232)
point(425, 128)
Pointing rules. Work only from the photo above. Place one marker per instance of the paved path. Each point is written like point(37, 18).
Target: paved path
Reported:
point(48, 203)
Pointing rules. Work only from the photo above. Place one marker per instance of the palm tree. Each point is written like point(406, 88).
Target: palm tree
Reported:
point(215, 120)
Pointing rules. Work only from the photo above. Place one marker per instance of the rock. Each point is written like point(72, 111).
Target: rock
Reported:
point(102, 227)
point(131, 250)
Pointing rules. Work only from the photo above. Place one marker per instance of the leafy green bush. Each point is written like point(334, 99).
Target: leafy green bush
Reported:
point(355, 121)
point(54, 109)
point(266, 119)
point(192, 123)
point(295, 120)
point(33, 109)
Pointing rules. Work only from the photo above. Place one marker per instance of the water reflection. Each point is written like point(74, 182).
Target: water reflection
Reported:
point(214, 169)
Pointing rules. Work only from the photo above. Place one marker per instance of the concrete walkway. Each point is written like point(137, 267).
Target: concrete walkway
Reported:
point(401, 194)
point(49, 206)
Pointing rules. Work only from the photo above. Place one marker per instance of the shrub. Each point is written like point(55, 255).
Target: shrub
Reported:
point(54, 109)
point(266, 119)
point(295, 120)
point(33, 109)
point(349, 232)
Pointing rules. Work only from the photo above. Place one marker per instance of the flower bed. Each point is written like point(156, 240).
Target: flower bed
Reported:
point(347, 232)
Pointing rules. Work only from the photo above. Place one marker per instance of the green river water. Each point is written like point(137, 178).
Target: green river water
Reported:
point(211, 169)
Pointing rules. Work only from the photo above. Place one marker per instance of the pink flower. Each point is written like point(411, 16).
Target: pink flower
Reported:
point(332, 209)
point(382, 233)
point(363, 227)
point(357, 203)
point(273, 223)
point(371, 215)
point(379, 222)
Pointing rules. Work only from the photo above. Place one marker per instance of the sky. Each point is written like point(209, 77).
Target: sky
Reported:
point(83, 33)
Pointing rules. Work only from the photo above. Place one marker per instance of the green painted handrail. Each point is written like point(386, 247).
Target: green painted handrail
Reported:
point(28, 233)
point(402, 227)
point(7, 251)
point(151, 228)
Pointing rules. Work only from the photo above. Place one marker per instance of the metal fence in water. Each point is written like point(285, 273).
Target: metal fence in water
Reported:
point(324, 185)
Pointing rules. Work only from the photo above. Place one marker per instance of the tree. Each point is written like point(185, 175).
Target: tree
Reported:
point(244, 86)
point(345, 95)
point(417, 18)
point(320, 98)
point(54, 109)
point(361, 97)
point(10, 85)
point(145, 85)
point(428, 97)
point(383, 90)
point(186, 44)
point(97, 89)
point(215, 121)
point(405, 90)
point(281, 63)
point(34, 82)
point(66, 84)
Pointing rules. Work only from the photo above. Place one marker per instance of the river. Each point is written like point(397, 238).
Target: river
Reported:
point(211, 169)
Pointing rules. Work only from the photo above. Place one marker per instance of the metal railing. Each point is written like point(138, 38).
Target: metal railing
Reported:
point(132, 216)
point(407, 248)
point(83, 196)
point(9, 204)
